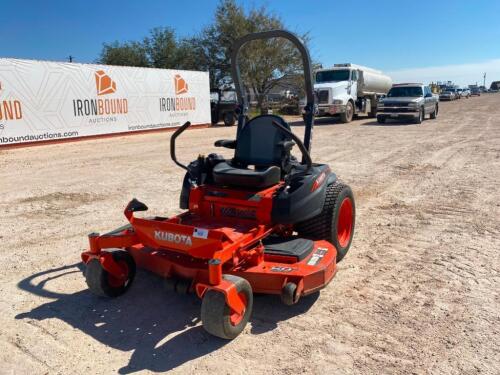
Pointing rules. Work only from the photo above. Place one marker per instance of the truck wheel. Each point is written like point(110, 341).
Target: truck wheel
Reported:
point(381, 119)
point(373, 109)
point(217, 317)
point(421, 116)
point(335, 223)
point(435, 113)
point(348, 114)
point(102, 283)
point(229, 119)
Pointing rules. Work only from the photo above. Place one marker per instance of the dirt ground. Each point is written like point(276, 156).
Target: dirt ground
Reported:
point(417, 293)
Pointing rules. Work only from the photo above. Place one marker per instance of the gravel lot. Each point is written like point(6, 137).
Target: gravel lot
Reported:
point(417, 293)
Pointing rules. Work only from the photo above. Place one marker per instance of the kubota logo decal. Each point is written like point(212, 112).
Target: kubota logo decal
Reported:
point(104, 83)
point(181, 87)
point(173, 238)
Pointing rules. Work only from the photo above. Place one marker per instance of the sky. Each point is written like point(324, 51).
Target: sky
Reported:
point(418, 40)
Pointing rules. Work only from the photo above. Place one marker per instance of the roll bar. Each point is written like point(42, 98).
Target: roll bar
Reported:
point(172, 144)
point(308, 114)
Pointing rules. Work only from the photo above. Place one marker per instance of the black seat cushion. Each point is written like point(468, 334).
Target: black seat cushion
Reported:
point(225, 174)
point(296, 247)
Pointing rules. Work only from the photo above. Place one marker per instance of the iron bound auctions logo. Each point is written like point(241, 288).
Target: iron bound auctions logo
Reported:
point(178, 103)
point(105, 85)
point(10, 110)
point(181, 87)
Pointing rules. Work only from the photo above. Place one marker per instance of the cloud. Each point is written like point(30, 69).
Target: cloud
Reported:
point(462, 74)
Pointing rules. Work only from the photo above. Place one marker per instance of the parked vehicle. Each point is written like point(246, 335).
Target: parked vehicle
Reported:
point(465, 93)
point(408, 101)
point(458, 93)
point(475, 91)
point(223, 104)
point(447, 95)
point(495, 86)
point(348, 90)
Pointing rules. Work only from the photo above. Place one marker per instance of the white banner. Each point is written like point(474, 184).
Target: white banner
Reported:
point(43, 101)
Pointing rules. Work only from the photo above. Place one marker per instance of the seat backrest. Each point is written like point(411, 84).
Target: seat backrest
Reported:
point(258, 142)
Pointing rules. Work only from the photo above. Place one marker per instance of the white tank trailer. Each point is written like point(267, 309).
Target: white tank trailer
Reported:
point(348, 90)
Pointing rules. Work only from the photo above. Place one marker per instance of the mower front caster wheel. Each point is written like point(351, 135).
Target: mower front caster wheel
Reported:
point(104, 284)
point(218, 318)
point(289, 294)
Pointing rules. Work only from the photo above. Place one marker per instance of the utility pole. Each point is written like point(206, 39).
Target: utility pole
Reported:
point(70, 58)
point(484, 80)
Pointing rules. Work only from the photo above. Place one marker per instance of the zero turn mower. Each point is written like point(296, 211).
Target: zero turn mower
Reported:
point(261, 222)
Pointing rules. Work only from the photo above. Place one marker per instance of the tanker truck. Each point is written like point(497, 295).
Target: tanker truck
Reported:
point(349, 90)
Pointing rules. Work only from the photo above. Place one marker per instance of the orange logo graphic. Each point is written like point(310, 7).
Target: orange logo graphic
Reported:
point(104, 83)
point(181, 87)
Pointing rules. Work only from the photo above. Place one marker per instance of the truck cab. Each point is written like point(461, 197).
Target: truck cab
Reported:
point(348, 89)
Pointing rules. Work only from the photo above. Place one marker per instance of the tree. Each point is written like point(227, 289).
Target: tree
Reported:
point(161, 49)
point(264, 64)
point(127, 54)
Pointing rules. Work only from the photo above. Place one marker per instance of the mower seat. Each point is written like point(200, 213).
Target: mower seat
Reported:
point(262, 145)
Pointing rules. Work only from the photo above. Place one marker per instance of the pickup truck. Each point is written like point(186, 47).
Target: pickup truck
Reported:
point(465, 93)
point(474, 91)
point(408, 101)
point(447, 95)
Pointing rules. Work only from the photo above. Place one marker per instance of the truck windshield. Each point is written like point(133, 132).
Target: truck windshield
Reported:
point(332, 76)
point(214, 96)
point(228, 96)
point(397, 92)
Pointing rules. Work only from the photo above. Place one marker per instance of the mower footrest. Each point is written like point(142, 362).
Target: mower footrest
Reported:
point(295, 247)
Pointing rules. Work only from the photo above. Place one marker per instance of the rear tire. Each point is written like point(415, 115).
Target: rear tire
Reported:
point(381, 120)
point(373, 109)
point(335, 223)
point(102, 283)
point(347, 116)
point(216, 315)
point(229, 119)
